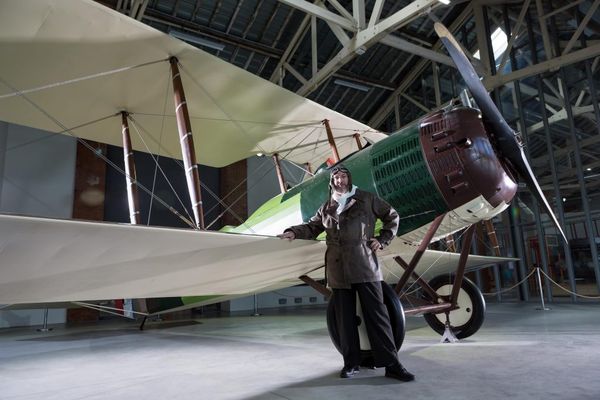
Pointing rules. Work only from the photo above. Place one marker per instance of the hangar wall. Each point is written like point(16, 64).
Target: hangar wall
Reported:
point(38, 171)
point(262, 186)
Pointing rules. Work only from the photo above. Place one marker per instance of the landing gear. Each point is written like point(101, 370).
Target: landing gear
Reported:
point(468, 318)
point(396, 313)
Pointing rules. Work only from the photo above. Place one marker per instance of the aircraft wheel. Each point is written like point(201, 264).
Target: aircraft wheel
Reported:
point(464, 321)
point(397, 320)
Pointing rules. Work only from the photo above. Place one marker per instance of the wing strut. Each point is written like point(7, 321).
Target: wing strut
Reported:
point(280, 177)
point(489, 227)
point(334, 150)
point(357, 138)
point(438, 303)
point(132, 199)
point(187, 144)
point(316, 285)
point(419, 253)
point(130, 175)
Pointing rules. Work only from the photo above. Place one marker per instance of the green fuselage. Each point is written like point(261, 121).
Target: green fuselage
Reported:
point(394, 169)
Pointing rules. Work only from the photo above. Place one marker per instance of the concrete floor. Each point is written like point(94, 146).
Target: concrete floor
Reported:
point(520, 353)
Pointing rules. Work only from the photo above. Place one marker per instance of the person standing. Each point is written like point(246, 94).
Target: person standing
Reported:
point(348, 217)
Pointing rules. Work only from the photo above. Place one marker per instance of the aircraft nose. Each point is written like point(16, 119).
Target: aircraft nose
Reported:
point(462, 160)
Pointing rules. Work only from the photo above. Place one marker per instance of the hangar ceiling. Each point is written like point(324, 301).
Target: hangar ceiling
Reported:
point(381, 63)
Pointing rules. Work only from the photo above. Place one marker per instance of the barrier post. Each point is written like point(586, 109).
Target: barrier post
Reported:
point(539, 279)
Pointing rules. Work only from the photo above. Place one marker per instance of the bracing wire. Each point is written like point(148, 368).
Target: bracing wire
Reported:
point(75, 80)
point(157, 165)
point(51, 135)
point(237, 124)
point(23, 93)
point(180, 164)
point(101, 156)
point(162, 129)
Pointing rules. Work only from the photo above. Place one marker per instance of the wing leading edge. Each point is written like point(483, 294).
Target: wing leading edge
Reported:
point(49, 260)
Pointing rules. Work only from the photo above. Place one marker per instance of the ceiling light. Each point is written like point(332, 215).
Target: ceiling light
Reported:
point(446, 2)
point(351, 85)
point(588, 169)
point(197, 40)
point(564, 199)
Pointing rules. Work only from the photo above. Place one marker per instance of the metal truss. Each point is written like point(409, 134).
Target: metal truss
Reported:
point(356, 35)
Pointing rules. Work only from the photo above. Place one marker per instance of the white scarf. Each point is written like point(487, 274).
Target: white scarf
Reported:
point(342, 198)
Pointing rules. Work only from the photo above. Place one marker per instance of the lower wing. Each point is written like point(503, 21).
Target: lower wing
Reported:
point(49, 260)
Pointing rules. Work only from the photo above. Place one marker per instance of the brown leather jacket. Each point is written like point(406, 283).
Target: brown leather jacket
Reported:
point(349, 258)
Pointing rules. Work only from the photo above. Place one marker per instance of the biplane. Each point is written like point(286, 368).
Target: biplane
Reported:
point(81, 69)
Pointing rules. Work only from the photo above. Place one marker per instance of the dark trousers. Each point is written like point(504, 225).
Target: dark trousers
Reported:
point(376, 319)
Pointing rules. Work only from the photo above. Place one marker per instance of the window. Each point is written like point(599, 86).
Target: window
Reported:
point(499, 44)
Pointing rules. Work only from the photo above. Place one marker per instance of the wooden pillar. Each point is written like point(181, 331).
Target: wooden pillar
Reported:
point(88, 203)
point(90, 180)
point(493, 275)
point(187, 144)
point(336, 156)
point(233, 184)
point(130, 178)
point(491, 232)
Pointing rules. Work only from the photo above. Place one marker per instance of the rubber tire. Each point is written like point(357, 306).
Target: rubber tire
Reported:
point(477, 309)
point(397, 321)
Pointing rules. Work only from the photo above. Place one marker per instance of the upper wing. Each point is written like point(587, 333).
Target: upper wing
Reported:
point(68, 63)
point(49, 260)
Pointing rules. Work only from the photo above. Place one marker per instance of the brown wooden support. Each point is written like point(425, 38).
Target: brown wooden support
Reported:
point(439, 303)
point(336, 155)
point(187, 144)
point(419, 253)
point(88, 202)
point(233, 181)
point(432, 308)
point(420, 281)
point(491, 232)
point(282, 185)
point(308, 167)
point(358, 143)
point(462, 263)
point(450, 245)
point(130, 174)
point(316, 285)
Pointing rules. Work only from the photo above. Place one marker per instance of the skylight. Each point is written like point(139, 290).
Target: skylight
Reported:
point(499, 44)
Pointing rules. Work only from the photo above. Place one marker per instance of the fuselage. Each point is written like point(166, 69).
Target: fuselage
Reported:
point(443, 164)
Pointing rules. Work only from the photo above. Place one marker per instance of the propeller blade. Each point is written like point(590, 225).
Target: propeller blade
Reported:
point(507, 139)
point(536, 190)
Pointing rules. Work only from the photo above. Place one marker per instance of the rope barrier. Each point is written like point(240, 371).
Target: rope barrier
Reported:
point(567, 290)
point(535, 270)
point(510, 288)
